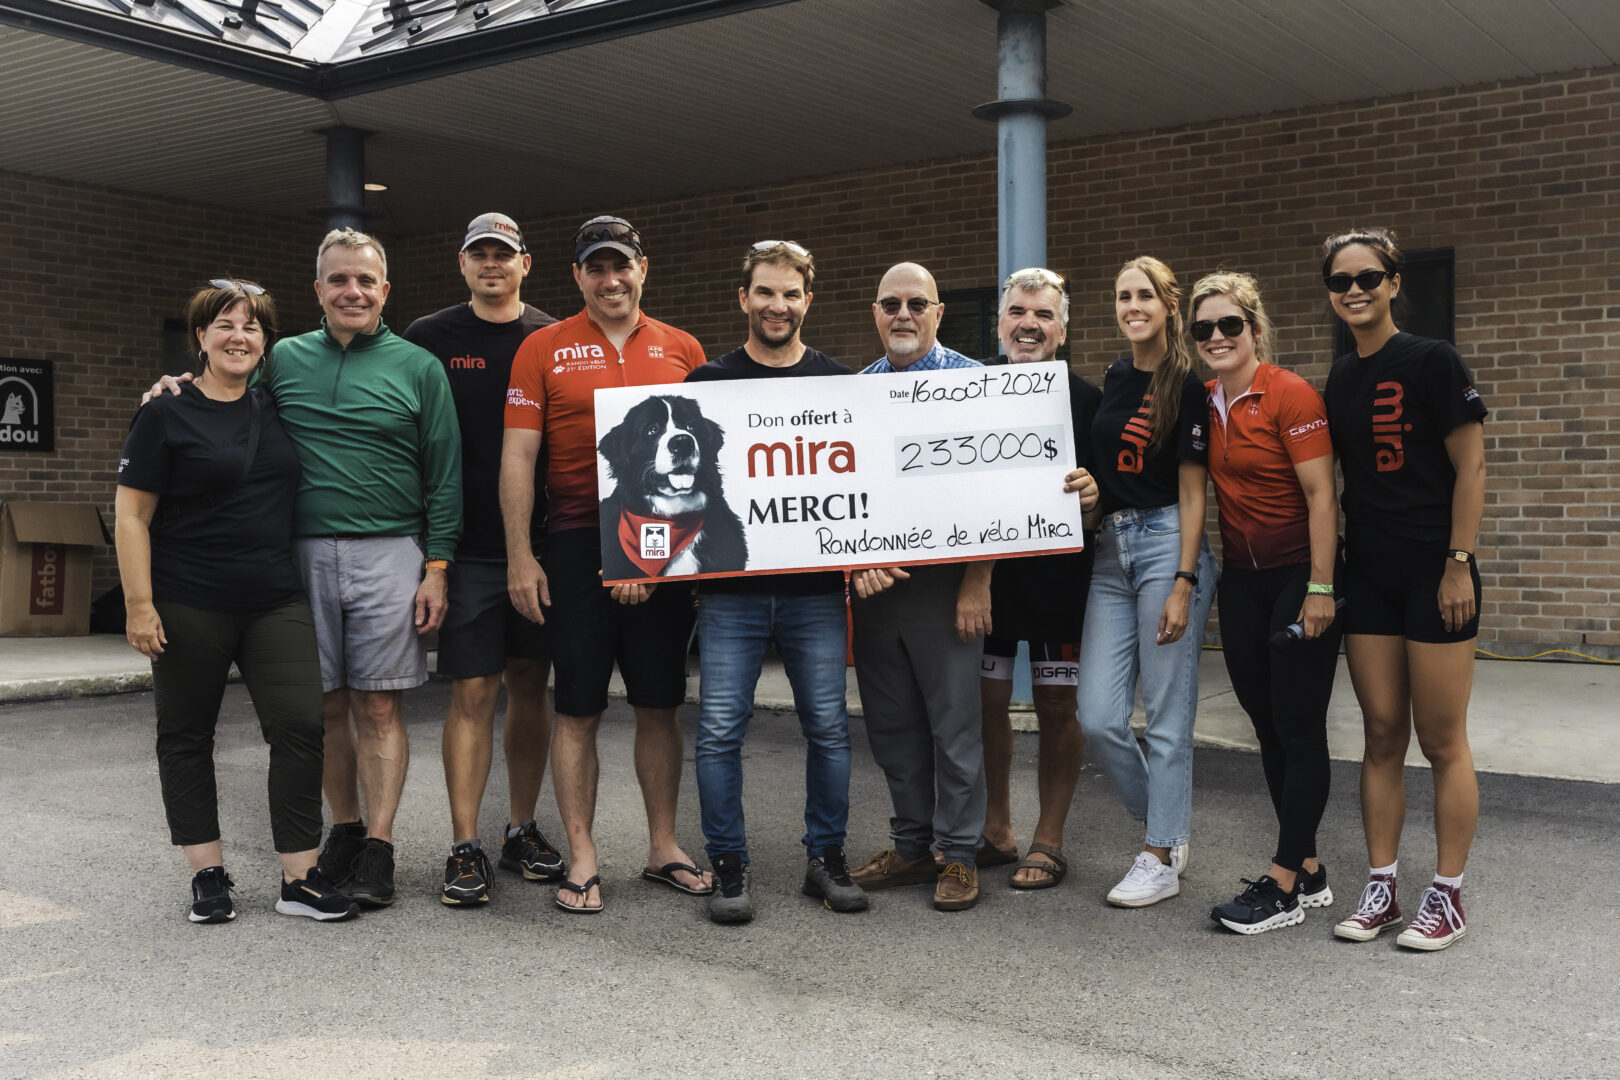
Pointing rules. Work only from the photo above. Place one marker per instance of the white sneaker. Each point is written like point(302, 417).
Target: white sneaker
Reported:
point(1179, 855)
point(1148, 882)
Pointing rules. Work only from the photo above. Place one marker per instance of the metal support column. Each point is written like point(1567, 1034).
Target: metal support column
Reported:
point(345, 177)
point(1021, 111)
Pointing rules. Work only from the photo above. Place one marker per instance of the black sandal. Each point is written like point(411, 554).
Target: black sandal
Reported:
point(582, 890)
point(1057, 868)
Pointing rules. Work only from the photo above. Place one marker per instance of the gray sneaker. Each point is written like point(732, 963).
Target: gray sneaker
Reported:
point(730, 902)
point(827, 879)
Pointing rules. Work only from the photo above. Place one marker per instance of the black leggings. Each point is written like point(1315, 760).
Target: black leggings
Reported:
point(1285, 691)
point(275, 651)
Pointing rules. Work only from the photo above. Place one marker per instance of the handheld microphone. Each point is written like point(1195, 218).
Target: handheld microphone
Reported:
point(1295, 631)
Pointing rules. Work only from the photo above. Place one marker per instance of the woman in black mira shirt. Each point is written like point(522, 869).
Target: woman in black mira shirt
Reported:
point(1407, 427)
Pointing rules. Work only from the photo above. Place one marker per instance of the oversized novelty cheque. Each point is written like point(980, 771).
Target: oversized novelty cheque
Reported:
point(716, 479)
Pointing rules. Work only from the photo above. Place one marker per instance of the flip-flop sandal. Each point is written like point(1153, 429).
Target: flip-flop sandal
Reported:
point(986, 855)
point(665, 875)
point(583, 891)
point(1057, 868)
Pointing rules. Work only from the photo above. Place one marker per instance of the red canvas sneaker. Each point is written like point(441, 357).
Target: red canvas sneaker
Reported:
point(1439, 920)
point(1377, 910)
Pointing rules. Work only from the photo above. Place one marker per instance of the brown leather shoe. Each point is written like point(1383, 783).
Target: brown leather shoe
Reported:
point(958, 888)
point(887, 870)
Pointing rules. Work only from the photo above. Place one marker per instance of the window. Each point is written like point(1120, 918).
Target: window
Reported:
point(1427, 303)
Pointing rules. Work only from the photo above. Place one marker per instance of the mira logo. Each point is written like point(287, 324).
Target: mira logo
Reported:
point(801, 458)
point(1388, 431)
point(578, 351)
point(654, 541)
point(466, 362)
point(1139, 433)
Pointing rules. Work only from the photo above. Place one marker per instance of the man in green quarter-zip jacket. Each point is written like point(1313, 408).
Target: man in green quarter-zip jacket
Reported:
point(378, 517)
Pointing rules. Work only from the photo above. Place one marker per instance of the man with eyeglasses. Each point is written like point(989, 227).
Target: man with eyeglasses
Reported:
point(644, 627)
point(485, 641)
point(1042, 601)
point(917, 650)
point(804, 613)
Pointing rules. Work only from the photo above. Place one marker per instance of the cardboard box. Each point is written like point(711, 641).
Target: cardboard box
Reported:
point(45, 567)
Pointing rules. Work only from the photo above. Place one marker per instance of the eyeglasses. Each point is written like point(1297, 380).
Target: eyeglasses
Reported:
point(1366, 281)
point(1229, 325)
point(230, 283)
point(916, 305)
point(766, 245)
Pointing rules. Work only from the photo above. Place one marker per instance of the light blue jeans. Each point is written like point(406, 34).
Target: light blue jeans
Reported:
point(1138, 552)
point(733, 632)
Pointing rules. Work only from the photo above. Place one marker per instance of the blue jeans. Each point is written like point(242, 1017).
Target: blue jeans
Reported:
point(1138, 553)
point(733, 632)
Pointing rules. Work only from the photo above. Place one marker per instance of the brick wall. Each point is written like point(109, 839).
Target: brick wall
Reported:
point(1519, 178)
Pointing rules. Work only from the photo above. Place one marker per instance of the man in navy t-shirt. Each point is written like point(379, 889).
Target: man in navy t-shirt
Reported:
point(804, 613)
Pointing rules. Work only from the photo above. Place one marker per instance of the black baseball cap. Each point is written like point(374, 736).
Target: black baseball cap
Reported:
point(607, 232)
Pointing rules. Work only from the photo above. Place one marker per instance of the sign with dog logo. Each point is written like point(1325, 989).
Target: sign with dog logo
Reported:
point(27, 406)
point(717, 479)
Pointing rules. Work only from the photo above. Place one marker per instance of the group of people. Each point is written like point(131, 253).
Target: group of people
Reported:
point(310, 508)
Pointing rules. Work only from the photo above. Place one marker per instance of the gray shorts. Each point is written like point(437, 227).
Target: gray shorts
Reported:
point(363, 595)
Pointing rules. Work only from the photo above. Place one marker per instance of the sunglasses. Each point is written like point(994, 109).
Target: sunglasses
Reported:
point(601, 232)
point(1366, 281)
point(767, 245)
point(916, 305)
point(1229, 325)
point(230, 283)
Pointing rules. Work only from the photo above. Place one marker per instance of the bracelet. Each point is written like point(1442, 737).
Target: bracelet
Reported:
point(1187, 576)
point(438, 564)
point(1319, 588)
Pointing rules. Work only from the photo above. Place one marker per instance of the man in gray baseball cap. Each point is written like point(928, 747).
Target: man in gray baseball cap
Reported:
point(484, 641)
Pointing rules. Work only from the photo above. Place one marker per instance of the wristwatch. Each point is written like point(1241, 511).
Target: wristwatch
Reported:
point(1459, 555)
point(1187, 576)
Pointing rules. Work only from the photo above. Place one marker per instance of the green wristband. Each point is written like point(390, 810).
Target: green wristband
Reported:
point(1319, 588)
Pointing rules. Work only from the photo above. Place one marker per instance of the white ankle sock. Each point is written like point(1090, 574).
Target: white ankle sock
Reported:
point(1452, 882)
point(1385, 871)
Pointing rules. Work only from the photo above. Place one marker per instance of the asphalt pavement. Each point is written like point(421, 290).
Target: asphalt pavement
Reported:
point(103, 976)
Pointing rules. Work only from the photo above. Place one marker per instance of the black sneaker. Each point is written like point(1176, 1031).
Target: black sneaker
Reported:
point(466, 876)
point(827, 879)
point(211, 896)
point(730, 902)
point(373, 881)
point(531, 854)
point(343, 845)
point(1260, 907)
point(1313, 888)
point(313, 897)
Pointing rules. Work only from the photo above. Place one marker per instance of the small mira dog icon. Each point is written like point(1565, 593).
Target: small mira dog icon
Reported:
point(654, 541)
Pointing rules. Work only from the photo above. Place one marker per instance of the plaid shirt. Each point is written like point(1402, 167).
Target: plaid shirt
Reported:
point(936, 359)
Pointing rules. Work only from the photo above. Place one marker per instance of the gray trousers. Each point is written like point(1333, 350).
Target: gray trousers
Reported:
point(919, 687)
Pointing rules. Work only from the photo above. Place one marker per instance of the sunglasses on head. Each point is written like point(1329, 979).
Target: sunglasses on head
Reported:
point(916, 305)
point(1229, 325)
point(230, 283)
point(1366, 281)
point(767, 245)
point(601, 232)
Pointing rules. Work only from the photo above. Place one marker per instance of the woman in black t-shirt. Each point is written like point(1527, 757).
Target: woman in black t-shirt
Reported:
point(204, 531)
point(1154, 577)
point(1407, 427)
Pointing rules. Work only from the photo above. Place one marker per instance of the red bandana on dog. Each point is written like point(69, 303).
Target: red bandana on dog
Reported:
point(650, 542)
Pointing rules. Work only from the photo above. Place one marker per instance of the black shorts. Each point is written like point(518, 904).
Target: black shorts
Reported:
point(483, 630)
point(1051, 663)
point(589, 630)
point(1392, 587)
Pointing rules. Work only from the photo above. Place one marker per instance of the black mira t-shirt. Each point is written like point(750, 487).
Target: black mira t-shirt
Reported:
point(217, 544)
point(737, 364)
point(1389, 415)
point(1131, 473)
point(477, 357)
point(1043, 597)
